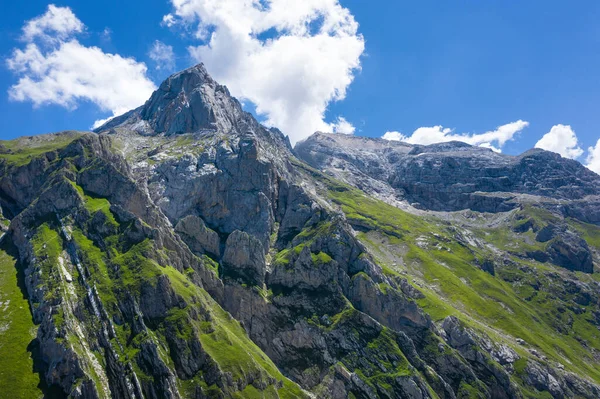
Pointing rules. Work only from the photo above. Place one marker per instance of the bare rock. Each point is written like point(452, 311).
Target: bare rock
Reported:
point(244, 258)
point(197, 236)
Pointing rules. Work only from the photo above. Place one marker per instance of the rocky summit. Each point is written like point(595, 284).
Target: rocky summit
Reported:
point(183, 250)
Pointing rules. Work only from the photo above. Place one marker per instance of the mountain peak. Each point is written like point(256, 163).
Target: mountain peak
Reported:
point(186, 102)
point(198, 70)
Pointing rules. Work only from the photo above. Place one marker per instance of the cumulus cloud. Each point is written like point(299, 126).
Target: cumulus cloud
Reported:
point(593, 158)
point(561, 139)
point(495, 139)
point(57, 23)
point(394, 136)
point(55, 68)
point(290, 58)
point(163, 56)
point(342, 126)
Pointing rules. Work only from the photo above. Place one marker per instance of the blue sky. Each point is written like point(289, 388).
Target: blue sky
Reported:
point(469, 66)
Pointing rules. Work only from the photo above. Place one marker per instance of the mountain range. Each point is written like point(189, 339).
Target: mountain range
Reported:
point(184, 250)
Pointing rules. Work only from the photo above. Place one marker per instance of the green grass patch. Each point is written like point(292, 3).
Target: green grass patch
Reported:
point(47, 244)
point(222, 337)
point(96, 204)
point(456, 287)
point(47, 247)
point(589, 232)
point(251, 392)
point(21, 151)
point(93, 258)
point(320, 258)
point(17, 379)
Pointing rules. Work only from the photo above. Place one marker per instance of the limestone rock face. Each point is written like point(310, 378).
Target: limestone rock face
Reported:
point(572, 252)
point(228, 187)
point(190, 101)
point(390, 308)
point(566, 248)
point(197, 236)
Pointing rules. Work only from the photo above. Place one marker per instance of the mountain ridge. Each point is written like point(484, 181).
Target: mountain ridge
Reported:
point(405, 170)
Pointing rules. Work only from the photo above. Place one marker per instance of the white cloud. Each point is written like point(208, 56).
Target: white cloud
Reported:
point(593, 158)
point(73, 72)
point(106, 34)
point(430, 135)
point(62, 71)
point(561, 139)
point(394, 136)
point(290, 58)
point(168, 20)
point(163, 56)
point(342, 126)
point(494, 140)
point(57, 23)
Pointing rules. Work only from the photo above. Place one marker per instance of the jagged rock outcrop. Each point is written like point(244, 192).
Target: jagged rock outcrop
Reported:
point(199, 238)
point(565, 248)
point(187, 101)
point(486, 365)
point(244, 258)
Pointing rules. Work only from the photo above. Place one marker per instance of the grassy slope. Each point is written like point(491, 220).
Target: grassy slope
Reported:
point(445, 272)
point(22, 150)
point(17, 330)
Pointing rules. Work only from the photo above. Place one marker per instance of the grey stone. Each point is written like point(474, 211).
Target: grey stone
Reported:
point(244, 258)
point(197, 236)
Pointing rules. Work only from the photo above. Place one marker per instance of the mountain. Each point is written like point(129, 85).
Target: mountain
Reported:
point(185, 250)
point(455, 176)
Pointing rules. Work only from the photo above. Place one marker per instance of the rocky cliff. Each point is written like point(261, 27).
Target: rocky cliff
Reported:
point(185, 250)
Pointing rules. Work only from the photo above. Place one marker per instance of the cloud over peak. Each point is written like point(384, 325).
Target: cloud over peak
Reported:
point(593, 158)
point(342, 126)
point(290, 58)
point(494, 140)
point(163, 56)
point(561, 139)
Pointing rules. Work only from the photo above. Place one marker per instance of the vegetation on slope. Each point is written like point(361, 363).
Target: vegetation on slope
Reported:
point(21, 151)
point(521, 301)
point(17, 331)
point(127, 268)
